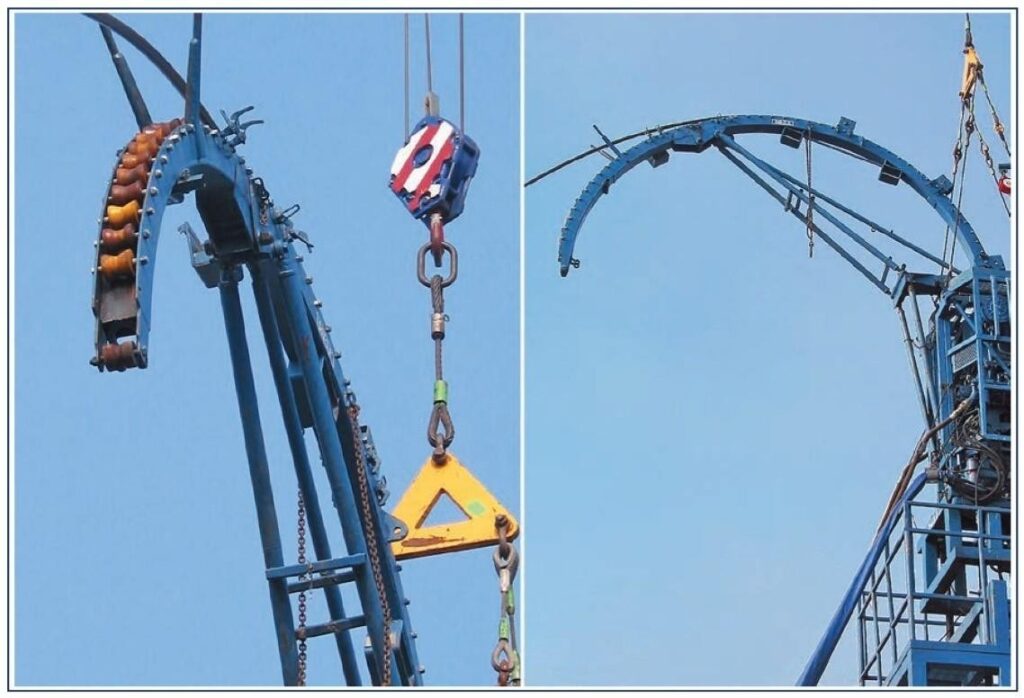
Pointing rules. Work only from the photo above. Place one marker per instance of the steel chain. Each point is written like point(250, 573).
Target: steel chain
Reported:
point(264, 199)
point(991, 165)
point(305, 576)
point(367, 503)
point(505, 657)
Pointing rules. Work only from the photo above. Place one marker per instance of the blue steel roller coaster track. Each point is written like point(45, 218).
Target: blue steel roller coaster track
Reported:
point(159, 167)
point(961, 364)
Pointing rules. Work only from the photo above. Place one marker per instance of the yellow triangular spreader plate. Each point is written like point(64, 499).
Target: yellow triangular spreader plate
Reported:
point(450, 478)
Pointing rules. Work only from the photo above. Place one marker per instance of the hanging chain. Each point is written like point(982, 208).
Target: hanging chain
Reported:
point(304, 577)
point(810, 197)
point(505, 657)
point(440, 430)
point(997, 125)
point(367, 504)
point(991, 168)
point(264, 200)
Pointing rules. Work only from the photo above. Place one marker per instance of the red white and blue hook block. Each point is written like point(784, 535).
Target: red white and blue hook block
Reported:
point(432, 171)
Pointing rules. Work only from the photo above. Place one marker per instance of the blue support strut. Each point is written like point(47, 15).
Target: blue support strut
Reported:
point(326, 430)
point(303, 471)
point(259, 472)
point(826, 646)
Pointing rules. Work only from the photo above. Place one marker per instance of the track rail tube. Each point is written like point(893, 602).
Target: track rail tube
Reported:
point(823, 652)
point(149, 51)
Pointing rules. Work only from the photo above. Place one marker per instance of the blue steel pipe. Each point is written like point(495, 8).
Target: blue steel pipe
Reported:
point(823, 652)
point(259, 472)
point(331, 450)
point(303, 471)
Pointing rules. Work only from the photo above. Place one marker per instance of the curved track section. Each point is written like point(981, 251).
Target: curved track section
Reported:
point(156, 169)
point(697, 136)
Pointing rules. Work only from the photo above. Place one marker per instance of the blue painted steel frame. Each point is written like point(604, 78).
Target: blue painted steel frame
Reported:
point(311, 388)
point(287, 307)
point(975, 364)
point(699, 136)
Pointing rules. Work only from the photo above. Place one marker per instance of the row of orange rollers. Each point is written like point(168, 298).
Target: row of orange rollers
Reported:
point(124, 201)
point(119, 236)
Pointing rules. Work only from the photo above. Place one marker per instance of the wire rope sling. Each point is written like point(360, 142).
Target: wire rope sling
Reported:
point(430, 175)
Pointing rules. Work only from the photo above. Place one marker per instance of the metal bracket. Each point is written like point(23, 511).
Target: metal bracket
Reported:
point(204, 264)
point(234, 132)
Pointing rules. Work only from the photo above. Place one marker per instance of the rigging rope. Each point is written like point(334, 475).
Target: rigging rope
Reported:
point(810, 197)
point(426, 29)
point(405, 135)
point(462, 76)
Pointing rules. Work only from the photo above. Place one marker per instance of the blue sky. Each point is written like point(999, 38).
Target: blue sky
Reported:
point(714, 421)
point(137, 555)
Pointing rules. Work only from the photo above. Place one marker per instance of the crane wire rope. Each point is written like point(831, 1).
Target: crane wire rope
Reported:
point(810, 197)
point(405, 94)
point(462, 75)
point(426, 30)
point(505, 658)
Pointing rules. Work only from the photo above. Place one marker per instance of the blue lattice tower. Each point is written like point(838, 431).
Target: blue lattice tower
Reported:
point(951, 600)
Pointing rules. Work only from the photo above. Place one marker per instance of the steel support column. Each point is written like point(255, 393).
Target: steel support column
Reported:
point(311, 363)
point(259, 472)
point(303, 471)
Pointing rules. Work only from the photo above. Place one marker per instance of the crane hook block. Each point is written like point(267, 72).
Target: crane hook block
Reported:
point(431, 172)
point(480, 508)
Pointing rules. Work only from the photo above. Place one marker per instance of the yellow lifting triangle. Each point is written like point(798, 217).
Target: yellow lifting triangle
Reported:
point(453, 479)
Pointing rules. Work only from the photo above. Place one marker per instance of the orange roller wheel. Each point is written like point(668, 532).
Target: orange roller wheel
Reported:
point(117, 216)
point(130, 160)
point(145, 147)
point(118, 357)
point(120, 195)
point(119, 265)
point(115, 239)
point(128, 175)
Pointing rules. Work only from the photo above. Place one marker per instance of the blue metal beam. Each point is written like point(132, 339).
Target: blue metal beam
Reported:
point(343, 493)
point(699, 135)
point(259, 473)
point(303, 470)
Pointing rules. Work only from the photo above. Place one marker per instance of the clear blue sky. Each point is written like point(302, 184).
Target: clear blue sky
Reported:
point(137, 555)
point(714, 421)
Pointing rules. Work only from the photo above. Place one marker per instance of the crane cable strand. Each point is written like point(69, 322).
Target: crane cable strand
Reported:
point(426, 29)
point(957, 154)
point(968, 129)
point(462, 76)
point(405, 135)
point(810, 197)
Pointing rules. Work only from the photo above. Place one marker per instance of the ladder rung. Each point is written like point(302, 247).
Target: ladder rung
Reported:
point(319, 566)
point(335, 626)
point(320, 582)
